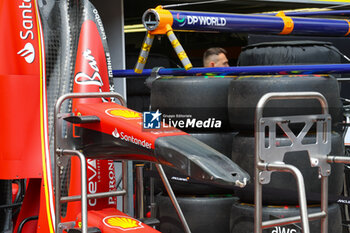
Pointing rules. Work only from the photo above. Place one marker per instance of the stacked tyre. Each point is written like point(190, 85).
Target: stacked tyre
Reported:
point(242, 218)
point(197, 99)
point(138, 93)
point(203, 213)
point(203, 99)
point(280, 195)
point(232, 102)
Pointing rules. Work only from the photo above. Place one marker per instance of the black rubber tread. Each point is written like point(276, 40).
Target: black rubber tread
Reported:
point(289, 52)
point(245, 92)
point(136, 86)
point(242, 218)
point(221, 142)
point(243, 154)
point(203, 214)
point(200, 97)
point(139, 103)
point(138, 94)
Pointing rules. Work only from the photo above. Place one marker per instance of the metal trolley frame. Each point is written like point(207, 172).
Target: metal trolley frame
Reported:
point(269, 158)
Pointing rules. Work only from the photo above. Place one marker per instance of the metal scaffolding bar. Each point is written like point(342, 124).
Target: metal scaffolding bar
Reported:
point(156, 20)
point(244, 70)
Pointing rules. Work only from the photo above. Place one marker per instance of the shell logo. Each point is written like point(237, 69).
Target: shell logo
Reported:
point(122, 222)
point(123, 113)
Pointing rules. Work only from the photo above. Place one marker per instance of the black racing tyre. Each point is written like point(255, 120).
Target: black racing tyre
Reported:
point(138, 94)
point(282, 188)
point(221, 142)
point(245, 92)
point(201, 98)
point(289, 52)
point(203, 214)
point(242, 218)
point(139, 103)
point(136, 86)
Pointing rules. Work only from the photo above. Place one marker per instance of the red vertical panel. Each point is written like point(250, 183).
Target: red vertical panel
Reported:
point(20, 141)
point(91, 75)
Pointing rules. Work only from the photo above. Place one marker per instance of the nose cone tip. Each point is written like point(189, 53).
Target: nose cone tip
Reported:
point(242, 183)
point(197, 160)
point(232, 174)
point(238, 179)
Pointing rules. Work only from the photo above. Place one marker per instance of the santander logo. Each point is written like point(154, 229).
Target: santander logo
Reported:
point(28, 52)
point(26, 31)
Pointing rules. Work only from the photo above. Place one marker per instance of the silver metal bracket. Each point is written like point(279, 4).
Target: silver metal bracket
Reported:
point(64, 131)
point(271, 152)
point(153, 77)
point(65, 226)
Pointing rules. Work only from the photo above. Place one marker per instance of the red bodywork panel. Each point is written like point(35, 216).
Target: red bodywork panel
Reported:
point(20, 91)
point(24, 152)
point(112, 220)
point(116, 119)
point(91, 73)
point(24, 140)
point(20, 143)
